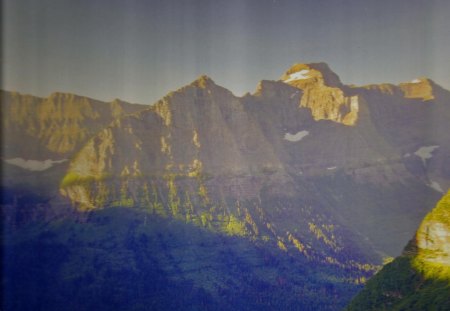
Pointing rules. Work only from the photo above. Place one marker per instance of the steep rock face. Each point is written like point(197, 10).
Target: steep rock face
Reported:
point(433, 236)
point(323, 93)
point(418, 88)
point(38, 128)
point(406, 120)
point(416, 126)
point(313, 74)
point(39, 137)
point(179, 134)
point(420, 278)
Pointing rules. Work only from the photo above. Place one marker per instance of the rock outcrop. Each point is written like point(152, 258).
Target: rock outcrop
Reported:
point(41, 135)
point(56, 126)
point(433, 236)
point(419, 279)
point(323, 93)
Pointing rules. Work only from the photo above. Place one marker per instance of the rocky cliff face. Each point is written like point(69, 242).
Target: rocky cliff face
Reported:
point(323, 93)
point(57, 126)
point(433, 237)
point(415, 125)
point(420, 278)
point(40, 136)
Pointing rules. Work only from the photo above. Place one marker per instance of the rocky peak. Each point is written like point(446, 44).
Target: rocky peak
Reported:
point(314, 74)
point(61, 95)
point(203, 82)
point(270, 89)
point(421, 88)
point(201, 94)
point(323, 93)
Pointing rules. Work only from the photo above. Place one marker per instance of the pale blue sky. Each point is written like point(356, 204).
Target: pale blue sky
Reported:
point(140, 50)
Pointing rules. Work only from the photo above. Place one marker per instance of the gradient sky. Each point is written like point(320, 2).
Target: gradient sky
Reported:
point(140, 50)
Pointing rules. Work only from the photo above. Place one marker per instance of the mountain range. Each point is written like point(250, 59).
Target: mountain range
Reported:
point(305, 186)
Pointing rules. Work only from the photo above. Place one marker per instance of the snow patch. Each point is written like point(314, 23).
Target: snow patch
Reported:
point(436, 186)
point(300, 75)
point(296, 137)
point(416, 81)
point(33, 165)
point(425, 152)
point(331, 168)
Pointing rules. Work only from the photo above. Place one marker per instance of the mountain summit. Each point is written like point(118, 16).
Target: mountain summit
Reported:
point(421, 88)
point(323, 93)
point(301, 75)
point(203, 82)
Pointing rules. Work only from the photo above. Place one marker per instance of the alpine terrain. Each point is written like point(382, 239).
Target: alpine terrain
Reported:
point(420, 278)
point(288, 198)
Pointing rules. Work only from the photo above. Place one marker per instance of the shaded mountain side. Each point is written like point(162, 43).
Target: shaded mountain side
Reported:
point(420, 278)
point(130, 259)
point(413, 119)
point(54, 127)
point(361, 206)
point(40, 135)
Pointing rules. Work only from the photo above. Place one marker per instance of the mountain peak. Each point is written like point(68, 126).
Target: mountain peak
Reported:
point(203, 82)
point(422, 88)
point(323, 93)
point(62, 95)
point(302, 75)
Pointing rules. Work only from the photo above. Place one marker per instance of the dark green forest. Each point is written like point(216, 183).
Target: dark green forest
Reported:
point(128, 259)
point(399, 286)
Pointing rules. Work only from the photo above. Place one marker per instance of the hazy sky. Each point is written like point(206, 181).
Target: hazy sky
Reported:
point(139, 50)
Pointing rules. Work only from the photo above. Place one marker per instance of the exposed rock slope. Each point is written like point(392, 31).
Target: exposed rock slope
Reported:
point(433, 237)
point(40, 136)
point(323, 93)
point(56, 126)
point(420, 278)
